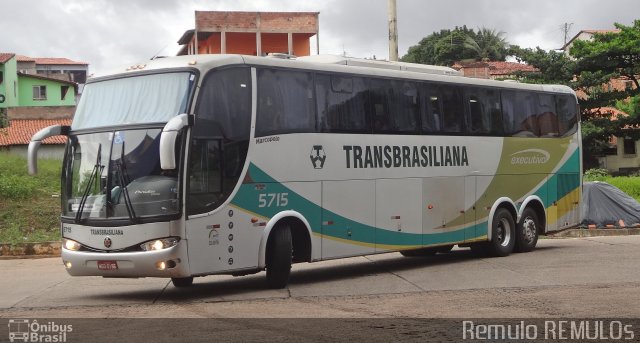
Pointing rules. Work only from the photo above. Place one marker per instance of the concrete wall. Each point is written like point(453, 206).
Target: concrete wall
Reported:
point(621, 162)
point(49, 151)
point(54, 91)
point(49, 112)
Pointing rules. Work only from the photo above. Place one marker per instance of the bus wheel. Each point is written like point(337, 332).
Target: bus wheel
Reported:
point(527, 231)
point(502, 234)
point(182, 281)
point(279, 255)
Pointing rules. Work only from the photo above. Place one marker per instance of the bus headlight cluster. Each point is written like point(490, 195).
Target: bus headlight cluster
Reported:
point(70, 244)
point(159, 244)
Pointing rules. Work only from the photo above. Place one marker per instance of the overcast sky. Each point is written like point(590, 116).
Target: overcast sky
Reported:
point(110, 33)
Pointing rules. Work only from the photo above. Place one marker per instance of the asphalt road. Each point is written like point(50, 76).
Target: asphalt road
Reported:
point(564, 278)
point(587, 277)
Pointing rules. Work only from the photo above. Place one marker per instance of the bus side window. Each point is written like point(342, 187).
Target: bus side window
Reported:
point(431, 110)
point(453, 111)
point(285, 102)
point(567, 115)
point(406, 107)
point(484, 111)
point(381, 95)
point(341, 104)
point(547, 118)
point(205, 175)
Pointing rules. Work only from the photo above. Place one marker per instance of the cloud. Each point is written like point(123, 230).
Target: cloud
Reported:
point(109, 33)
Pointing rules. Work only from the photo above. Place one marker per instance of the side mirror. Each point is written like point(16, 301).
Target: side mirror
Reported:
point(168, 140)
point(36, 140)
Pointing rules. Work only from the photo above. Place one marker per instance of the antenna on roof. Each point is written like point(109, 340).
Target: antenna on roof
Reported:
point(158, 53)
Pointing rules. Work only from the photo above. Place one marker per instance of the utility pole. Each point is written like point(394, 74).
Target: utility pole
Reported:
point(393, 31)
point(566, 28)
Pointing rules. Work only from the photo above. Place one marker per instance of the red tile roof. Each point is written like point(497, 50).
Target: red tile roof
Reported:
point(22, 58)
point(57, 60)
point(509, 68)
point(20, 131)
point(4, 57)
point(497, 68)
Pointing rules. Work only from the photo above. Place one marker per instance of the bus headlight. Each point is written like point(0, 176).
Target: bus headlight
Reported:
point(159, 244)
point(70, 244)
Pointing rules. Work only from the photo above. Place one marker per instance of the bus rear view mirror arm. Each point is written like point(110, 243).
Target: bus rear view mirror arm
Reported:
point(36, 140)
point(168, 140)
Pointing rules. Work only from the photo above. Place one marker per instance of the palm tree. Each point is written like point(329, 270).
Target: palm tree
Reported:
point(487, 45)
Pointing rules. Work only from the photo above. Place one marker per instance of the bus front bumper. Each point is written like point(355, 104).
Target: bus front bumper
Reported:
point(170, 262)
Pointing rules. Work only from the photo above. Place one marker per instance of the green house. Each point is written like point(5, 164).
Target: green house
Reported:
point(8, 81)
point(29, 95)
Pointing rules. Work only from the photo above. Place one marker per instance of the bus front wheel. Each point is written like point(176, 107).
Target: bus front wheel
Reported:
point(279, 257)
point(182, 281)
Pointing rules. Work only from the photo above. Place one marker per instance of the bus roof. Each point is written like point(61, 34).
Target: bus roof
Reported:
point(329, 63)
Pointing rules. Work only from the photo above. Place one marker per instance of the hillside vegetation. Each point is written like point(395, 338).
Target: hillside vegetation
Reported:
point(29, 205)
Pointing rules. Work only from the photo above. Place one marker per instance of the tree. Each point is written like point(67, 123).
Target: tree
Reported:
point(460, 44)
point(441, 48)
point(487, 45)
point(608, 56)
point(553, 66)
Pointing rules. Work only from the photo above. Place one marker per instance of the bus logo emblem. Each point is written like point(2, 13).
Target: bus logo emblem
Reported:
point(107, 242)
point(317, 156)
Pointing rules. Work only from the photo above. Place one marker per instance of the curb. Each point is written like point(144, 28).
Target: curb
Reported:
point(583, 232)
point(30, 250)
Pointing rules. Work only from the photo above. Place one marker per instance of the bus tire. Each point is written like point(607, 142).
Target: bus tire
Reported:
point(527, 231)
point(503, 234)
point(279, 257)
point(180, 282)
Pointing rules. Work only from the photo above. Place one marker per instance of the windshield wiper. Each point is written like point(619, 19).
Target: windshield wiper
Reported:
point(97, 170)
point(123, 179)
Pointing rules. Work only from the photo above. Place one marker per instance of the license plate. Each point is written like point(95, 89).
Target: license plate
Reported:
point(107, 265)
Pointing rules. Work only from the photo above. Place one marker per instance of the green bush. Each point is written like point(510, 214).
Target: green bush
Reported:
point(596, 174)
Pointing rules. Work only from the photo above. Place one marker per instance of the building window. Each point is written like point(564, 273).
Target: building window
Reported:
point(1, 77)
point(629, 146)
point(39, 92)
point(628, 85)
point(63, 92)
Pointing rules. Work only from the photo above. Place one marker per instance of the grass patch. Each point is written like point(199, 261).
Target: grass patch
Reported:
point(28, 210)
point(627, 184)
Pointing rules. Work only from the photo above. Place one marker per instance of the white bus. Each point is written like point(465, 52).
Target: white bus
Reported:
point(224, 164)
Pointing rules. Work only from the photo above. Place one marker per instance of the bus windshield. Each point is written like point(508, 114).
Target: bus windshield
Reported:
point(117, 175)
point(154, 98)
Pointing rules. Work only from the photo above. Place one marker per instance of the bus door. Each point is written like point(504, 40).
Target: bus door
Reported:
point(348, 218)
point(398, 213)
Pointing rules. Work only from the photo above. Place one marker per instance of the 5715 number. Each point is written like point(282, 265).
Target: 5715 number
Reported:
point(273, 200)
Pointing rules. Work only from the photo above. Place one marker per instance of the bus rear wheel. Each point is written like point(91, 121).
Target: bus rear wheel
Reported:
point(182, 281)
point(527, 231)
point(279, 257)
point(503, 234)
